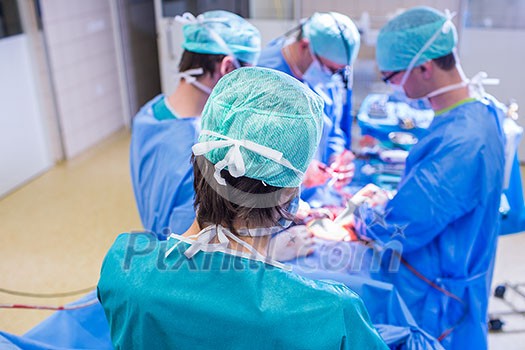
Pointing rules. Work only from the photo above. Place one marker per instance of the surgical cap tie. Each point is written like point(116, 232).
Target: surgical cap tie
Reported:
point(224, 236)
point(447, 26)
point(234, 159)
point(189, 77)
point(188, 18)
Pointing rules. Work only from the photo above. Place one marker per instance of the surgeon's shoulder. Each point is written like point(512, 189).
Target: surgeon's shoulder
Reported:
point(467, 127)
point(361, 333)
point(346, 296)
point(339, 293)
point(146, 111)
point(128, 246)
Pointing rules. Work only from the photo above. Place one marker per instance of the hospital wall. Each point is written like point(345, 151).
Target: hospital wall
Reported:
point(492, 41)
point(376, 8)
point(500, 53)
point(23, 139)
point(83, 65)
point(137, 53)
point(29, 136)
point(76, 74)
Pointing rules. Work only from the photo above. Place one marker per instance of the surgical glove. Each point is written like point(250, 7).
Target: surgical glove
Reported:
point(316, 174)
point(370, 194)
point(330, 230)
point(303, 211)
point(343, 168)
point(295, 242)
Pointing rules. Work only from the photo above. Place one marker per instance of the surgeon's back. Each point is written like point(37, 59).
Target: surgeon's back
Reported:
point(217, 300)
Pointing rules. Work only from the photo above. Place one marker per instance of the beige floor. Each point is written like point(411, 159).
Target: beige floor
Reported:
point(56, 229)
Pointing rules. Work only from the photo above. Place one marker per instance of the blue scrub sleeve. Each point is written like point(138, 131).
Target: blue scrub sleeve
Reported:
point(432, 196)
point(336, 141)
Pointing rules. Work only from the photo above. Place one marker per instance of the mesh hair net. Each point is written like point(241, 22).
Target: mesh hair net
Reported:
point(241, 37)
point(404, 36)
point(268, 108)
point(333, 36)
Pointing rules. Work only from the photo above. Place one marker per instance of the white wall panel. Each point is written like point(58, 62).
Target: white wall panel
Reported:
point(24, 149)
point(83, 62)
point(501, 54)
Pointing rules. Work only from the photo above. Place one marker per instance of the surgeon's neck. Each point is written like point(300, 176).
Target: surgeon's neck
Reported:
point(187, 100)
point(297, 56)
point(452, 97)
point(259, 243)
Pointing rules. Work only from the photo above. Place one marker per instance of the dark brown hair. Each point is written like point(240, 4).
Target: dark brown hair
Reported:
point(243, 201)
point(207, 62)
point(446, 62)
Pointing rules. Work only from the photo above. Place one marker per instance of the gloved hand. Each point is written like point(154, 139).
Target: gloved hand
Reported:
point(329, 230)
point(343, 168)
point(303, 211)
point(295, 242)
point(316, 174)
point(371, 194)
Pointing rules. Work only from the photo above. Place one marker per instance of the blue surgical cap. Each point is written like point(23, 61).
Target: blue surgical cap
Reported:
point(404, 36)
point(242, 39)
point(333, 36)
point(268, 108)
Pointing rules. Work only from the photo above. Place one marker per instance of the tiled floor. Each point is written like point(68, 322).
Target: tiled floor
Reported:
point(55, 231)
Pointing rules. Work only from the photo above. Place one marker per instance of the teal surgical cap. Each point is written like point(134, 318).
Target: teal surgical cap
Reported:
point(242, 39)
point(333, 36)
point(401, 39)
point(253, 107)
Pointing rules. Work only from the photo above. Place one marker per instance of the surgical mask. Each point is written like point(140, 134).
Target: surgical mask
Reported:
point(397, 88)
point(317, 74)
point(292, 209)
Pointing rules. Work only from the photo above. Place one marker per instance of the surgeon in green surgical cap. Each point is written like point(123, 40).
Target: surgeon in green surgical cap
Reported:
point(215, 286)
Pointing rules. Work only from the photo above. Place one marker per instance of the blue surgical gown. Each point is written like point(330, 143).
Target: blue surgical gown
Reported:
point(333, 140)
point(161, 172)
point(221, 301)
point(444, 222)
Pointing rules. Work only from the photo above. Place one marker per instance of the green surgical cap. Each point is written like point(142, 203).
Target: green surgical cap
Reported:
point(242, 38)
point(333, 36)
point(405, 35)
point(269, 108)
